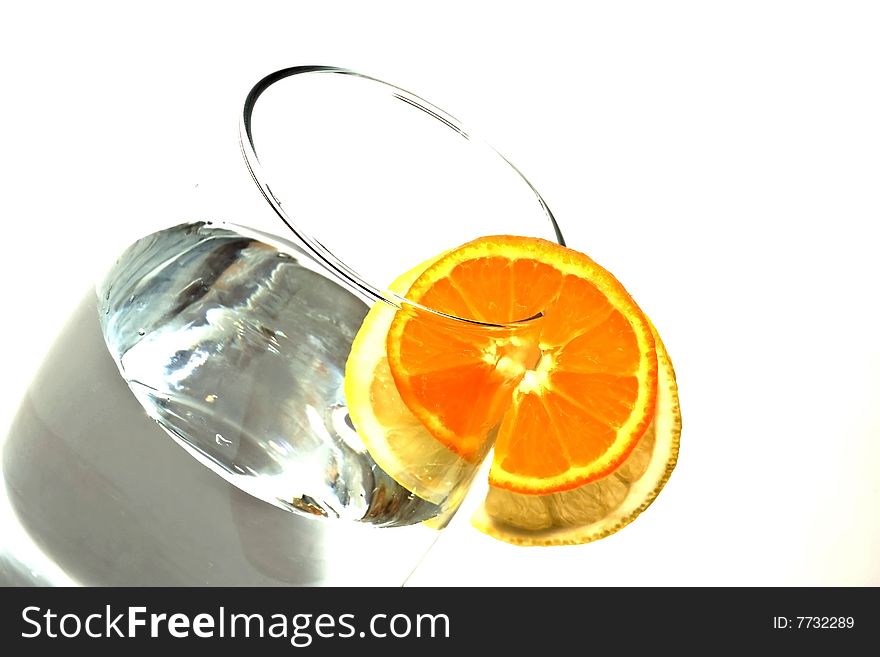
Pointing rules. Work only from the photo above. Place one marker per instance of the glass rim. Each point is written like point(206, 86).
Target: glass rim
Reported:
point(324, 255)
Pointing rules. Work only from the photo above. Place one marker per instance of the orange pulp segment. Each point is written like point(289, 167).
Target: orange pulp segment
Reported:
point(602, 507)
point(569, 393)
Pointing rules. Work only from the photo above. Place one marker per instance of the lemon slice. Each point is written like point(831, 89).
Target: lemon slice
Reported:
point(398, 442)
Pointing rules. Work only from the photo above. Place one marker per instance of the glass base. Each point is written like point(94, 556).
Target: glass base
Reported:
point(94, 492)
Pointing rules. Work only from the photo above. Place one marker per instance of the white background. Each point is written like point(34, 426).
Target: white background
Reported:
point(723, 159)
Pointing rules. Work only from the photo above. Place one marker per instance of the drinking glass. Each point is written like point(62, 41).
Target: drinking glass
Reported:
point(236, 343)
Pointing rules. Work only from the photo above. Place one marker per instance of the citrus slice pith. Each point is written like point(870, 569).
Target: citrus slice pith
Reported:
point(570, 393)
point(600, 508)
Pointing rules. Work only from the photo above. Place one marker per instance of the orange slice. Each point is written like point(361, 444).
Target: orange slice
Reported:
point(569, 393)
